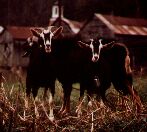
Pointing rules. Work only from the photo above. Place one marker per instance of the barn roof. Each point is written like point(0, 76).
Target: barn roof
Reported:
point(19, 32)
point(123, 25)
point(74, 25)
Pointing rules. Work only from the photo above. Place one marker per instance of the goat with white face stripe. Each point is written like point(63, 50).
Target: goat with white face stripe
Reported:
point(41, 67)
point(47, 35)
point(113, 68)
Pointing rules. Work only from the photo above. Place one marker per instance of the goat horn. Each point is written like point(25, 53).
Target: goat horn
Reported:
point(100, 41)
point(47, 29)
point(109, 44)
point(40, 28)
point(50, 27)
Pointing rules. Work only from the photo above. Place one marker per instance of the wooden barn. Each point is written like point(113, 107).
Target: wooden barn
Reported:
point(131, 31)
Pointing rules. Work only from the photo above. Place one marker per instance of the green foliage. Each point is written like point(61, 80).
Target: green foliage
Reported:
point(140, 84)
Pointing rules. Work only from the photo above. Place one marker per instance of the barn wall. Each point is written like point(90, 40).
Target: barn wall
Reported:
point(66, 29)
point(6, 49)
point(6, 54)
point(95, 28)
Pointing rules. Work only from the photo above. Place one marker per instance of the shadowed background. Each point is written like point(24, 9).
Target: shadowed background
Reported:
point(38, 12)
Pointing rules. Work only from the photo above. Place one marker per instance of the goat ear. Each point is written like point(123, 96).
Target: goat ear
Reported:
point(58, 31)
point(35, 33)
point(109, 45)
point(35, 39)
point(82, 44)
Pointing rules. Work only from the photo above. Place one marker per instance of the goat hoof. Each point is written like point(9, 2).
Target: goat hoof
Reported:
point(90, 104)
point(78, 112)
point(37, 115)
point(65, 113)
point(51, 118)
point(61, 110)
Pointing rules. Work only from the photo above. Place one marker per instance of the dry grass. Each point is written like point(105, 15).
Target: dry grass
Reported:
point(14, 117)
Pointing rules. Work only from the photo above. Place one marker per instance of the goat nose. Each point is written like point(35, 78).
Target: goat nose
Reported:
point(48, 45)
point(96, 57)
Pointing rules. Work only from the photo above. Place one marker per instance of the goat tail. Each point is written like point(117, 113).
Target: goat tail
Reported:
point(127, 64)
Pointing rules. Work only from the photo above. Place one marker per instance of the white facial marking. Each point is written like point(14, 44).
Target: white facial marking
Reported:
point(92, 47)
point(51, 35)
point(100, 47)
point(46, 31)
point(42, 35)
point(95, 56)
point(47, 42)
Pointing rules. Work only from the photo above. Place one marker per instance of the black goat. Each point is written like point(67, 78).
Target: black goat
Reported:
point(41, 68)
point(112, 65)
point(74, 65)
